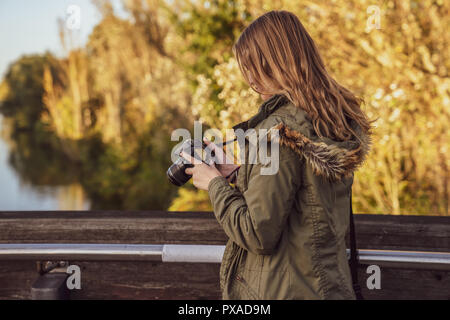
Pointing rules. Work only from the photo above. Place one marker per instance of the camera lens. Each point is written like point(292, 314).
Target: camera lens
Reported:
point(176, 174)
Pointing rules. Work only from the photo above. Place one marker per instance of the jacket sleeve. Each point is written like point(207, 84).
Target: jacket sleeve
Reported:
point(256, 218)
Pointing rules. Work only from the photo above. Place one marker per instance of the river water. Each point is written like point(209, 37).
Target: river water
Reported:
point(15, 194)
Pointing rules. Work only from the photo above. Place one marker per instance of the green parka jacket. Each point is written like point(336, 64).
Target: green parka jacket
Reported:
point(287, 230)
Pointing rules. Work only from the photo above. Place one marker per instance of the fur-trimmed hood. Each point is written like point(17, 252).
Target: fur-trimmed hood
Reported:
point(331, 159)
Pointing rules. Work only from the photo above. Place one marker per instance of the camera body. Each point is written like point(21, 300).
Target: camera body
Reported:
point(176, 172)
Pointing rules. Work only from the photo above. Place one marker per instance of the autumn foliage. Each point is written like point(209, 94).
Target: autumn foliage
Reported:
point(170, 63)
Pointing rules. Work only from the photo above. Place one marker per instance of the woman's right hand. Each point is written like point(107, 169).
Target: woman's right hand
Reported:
point(224, 163)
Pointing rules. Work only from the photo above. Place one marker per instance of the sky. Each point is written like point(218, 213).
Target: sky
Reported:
point(31, 26)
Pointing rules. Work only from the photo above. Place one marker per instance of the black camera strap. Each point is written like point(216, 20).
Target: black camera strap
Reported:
point(354, 255)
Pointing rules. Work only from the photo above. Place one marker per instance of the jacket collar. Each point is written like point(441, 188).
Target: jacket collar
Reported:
point(267, 107)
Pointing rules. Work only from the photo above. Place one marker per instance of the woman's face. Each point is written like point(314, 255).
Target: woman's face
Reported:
point(252, 84)
point(265, 96)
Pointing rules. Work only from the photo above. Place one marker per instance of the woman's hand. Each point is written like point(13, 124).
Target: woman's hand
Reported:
point(224, 163)
point(202, 174)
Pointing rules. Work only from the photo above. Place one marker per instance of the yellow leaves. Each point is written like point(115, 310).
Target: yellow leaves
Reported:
point(365, 45)
point(395, 115)
point(4, 90)
point(385, 59)
point(426, 59)
point(191, 200)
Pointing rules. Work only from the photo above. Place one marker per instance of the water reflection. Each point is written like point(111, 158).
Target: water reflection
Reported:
point(17, 193)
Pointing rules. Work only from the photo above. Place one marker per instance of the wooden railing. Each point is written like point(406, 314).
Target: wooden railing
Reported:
point(115, 278)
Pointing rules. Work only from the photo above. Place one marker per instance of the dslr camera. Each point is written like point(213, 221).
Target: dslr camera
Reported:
point(198, 150)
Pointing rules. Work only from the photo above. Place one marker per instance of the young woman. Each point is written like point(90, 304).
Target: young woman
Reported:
point(287, 230)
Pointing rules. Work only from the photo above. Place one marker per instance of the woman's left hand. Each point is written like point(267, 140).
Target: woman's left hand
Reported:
point(202, 174)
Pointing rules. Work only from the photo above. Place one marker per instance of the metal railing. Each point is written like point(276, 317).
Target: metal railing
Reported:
point(195, 254)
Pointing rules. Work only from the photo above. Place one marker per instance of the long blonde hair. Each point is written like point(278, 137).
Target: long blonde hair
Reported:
point(276, 53)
